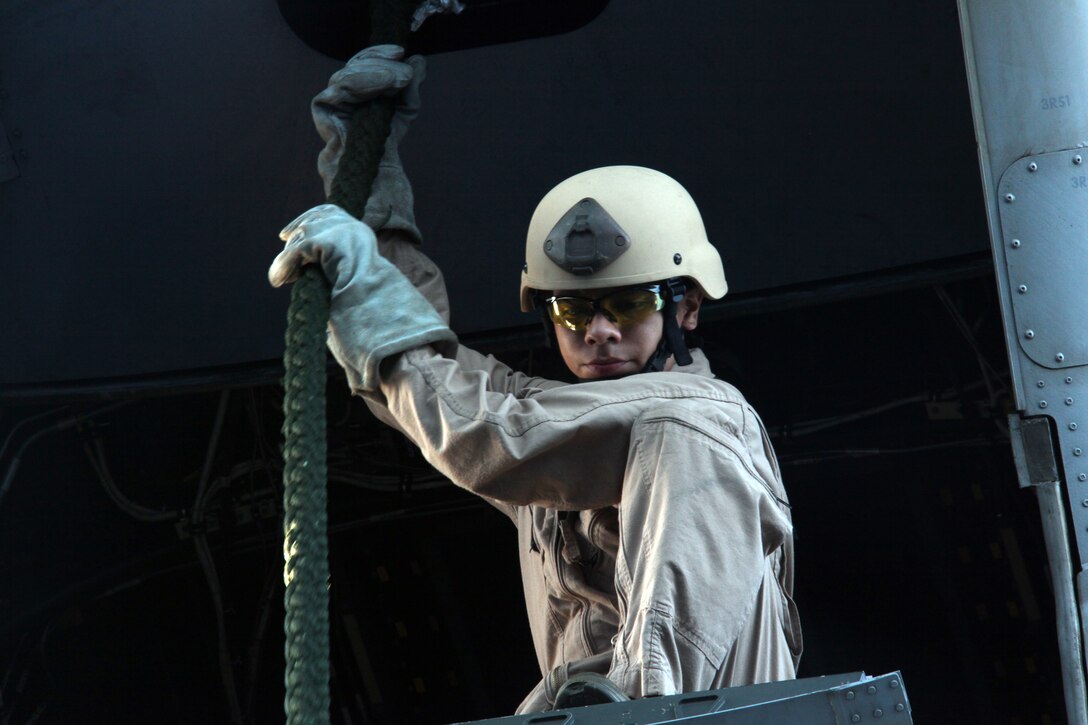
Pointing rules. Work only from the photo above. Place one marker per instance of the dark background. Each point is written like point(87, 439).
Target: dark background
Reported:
point(160, 152)
point(916, 550)
point(830, 148)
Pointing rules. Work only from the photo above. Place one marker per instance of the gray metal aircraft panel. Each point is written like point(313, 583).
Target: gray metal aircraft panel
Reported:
point(829, 700)
point(1028, 68)
point(1044, 221)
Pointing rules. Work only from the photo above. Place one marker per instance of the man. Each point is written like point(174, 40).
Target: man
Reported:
point(654, 532)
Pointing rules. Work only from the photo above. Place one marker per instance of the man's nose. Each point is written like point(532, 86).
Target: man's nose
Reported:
point(601, 329)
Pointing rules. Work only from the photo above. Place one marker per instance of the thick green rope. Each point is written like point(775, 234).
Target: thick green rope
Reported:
point(305, 507)
point(362, 153)
point(369, 128)
point(305, 517)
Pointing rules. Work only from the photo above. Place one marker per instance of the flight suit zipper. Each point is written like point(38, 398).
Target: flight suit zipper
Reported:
point(564, 529)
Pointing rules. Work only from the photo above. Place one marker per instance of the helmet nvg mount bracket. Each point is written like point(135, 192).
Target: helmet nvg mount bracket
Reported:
point(586, 239)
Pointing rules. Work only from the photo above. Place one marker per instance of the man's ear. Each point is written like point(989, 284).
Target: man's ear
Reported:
point(687, 312)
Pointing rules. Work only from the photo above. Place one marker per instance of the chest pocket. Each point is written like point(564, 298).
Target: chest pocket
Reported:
point(589, 541)
point(588, 537)
point(580, 542)
point(542, 530)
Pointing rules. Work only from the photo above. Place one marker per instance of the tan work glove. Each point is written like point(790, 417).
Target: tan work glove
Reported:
point(375, 311)
point(376, 71)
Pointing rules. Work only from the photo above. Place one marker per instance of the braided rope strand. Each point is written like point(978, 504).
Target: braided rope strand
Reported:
point(305, 505)
point(363, 150)
point(305, 543)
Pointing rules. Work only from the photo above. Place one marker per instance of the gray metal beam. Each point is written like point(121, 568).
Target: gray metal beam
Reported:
point(1027, 69)
point(829, 700)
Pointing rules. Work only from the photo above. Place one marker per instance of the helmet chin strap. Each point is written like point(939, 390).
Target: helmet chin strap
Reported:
point(672, 339)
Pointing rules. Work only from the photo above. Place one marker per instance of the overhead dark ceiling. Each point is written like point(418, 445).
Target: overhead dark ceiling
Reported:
point(338, 28)
point(160, 150)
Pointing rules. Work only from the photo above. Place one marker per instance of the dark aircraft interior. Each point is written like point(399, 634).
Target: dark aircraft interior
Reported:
point(153, 152)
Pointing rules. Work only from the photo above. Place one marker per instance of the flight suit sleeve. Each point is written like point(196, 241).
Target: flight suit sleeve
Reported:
point(562, 447)
point(425, 275)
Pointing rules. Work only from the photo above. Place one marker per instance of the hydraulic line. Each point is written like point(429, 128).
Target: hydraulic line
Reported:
point(204, 494)
point(64, 424)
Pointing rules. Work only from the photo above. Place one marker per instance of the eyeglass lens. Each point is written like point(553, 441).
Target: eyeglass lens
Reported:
point(623, 307)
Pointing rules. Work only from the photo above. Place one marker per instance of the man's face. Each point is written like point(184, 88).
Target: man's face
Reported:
point(606, 349)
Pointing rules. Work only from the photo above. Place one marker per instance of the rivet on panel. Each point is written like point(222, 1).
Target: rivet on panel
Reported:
point(1069, 381)
point(1068, 401)
point(1084, 503)
point(1077, 159)
point(1060, 356)
point(1022, 289)
point(850, 695)
point(677, 259)
point(1010, 198)
point(1029, 334)
point(1042, 403)
point(1072, 426)
point(871, 690)
point(1016, 243)
point(878, 713)
point(1082, 476)
point(1033, 166)
point(1077, 451)
point(620, 241)
point(855, 718)
point(894, 684)
point(1040, 384)
point(900, 707)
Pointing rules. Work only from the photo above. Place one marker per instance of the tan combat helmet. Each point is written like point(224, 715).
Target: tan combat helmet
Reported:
point(617, 226)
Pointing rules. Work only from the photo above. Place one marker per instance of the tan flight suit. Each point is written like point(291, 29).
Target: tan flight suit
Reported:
point(655, 537)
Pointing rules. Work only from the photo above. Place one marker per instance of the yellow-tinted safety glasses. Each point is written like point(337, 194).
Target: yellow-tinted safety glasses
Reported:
point(623, 307)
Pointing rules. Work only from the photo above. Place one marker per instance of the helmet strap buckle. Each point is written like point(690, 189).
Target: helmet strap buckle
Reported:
point(672, 338)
